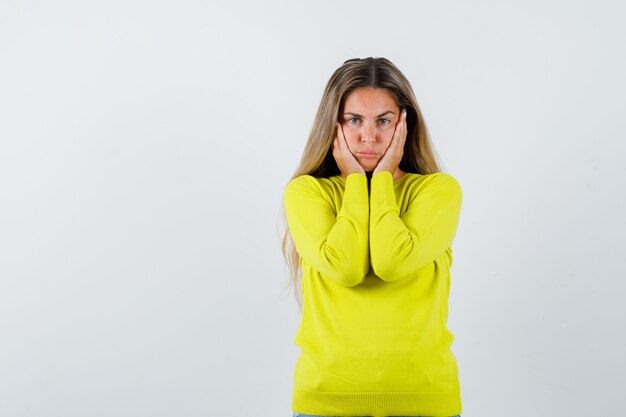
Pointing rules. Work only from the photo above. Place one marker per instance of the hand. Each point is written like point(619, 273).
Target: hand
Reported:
point(345, 159)
point(393, 155)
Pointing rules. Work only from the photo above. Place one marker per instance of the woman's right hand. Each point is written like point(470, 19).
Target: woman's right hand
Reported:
point(346, 161)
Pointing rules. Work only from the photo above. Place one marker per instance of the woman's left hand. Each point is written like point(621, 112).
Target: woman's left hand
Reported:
point(393, 155)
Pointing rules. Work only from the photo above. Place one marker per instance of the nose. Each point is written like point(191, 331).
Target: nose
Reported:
point(367, 134)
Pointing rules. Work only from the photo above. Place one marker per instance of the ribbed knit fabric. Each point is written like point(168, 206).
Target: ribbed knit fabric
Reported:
point(375, 262)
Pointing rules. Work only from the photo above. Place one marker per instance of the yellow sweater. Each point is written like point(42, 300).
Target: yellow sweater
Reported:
point(375, 258)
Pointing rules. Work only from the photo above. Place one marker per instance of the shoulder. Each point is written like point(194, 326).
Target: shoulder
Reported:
point(303, 181)
point(436, 178)
point(308, 184)
point(311, 181)
point(439, 182)
point(443, 179)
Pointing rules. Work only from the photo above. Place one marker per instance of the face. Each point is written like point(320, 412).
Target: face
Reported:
point(368, 121)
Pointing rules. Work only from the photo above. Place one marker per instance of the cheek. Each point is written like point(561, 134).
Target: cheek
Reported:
point(351, 134)
point(385, 137)
point(347, 129)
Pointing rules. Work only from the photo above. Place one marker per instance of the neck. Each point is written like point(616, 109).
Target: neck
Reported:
point(396, 174)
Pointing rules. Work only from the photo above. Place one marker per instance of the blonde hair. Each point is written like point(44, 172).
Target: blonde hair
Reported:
point(317, 159)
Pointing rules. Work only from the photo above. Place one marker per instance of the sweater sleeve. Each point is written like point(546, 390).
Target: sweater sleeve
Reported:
point(335, 244)
point(401, 245)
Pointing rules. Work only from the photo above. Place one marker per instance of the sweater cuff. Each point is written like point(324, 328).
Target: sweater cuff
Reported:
point(383, 195)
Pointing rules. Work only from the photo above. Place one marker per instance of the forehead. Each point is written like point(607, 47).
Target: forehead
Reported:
point(370, 101)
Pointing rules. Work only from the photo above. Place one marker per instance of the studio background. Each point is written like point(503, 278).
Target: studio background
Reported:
point(145, 145)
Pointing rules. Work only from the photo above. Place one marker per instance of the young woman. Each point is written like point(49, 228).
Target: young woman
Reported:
point(371, 219)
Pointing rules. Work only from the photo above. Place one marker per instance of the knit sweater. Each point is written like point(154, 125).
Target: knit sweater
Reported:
point(375, 258)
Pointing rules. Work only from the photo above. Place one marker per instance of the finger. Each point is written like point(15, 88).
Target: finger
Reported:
point(399, 135)
point(404, 123)
point(344, 142)
point(343, 135)
point(404, 129)
point(337, 141)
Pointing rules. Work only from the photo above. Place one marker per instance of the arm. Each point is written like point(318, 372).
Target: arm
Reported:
point(336, 245)
point(401, 245)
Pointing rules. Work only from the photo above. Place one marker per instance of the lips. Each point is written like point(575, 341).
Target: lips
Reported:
point(367, 154)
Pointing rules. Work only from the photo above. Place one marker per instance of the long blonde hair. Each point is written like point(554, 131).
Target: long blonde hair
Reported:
point(317, 158)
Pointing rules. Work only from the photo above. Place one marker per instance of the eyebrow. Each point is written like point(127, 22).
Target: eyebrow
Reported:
point(380, 115)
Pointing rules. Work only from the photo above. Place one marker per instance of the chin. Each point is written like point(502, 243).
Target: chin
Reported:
point(369, 167)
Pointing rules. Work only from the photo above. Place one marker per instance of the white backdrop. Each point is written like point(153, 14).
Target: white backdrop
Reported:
point(144, 147)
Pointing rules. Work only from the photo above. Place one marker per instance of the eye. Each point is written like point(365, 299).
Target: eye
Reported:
point(384, 121)
point(353, 120)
